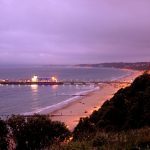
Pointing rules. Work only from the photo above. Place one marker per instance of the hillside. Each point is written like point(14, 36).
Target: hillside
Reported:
point(122, 123)
point(120, 65)
point(129, 108)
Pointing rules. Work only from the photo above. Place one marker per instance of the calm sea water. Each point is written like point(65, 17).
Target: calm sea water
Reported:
point(43, 99)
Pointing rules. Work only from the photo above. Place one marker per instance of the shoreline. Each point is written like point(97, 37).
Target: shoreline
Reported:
point(83, 106)
point(63, 104)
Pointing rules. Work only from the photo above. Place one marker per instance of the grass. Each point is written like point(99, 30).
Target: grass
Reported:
point(126, 140)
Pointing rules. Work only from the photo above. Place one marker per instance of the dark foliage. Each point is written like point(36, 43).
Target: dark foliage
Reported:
point(84, 125)
point(3, 135)
point(99, 141)
point(128, 109)
point(36, 132)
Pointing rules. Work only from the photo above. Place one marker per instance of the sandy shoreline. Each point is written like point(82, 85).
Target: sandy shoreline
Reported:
point(84, 106)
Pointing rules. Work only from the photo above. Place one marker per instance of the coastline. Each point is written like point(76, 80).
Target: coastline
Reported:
point(83, 106)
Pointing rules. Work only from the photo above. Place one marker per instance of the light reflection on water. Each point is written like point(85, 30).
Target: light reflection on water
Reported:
point(54, 87)
point(34, 88)
point(35, 98)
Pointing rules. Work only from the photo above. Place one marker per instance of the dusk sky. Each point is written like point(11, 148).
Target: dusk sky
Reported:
point(74, 31)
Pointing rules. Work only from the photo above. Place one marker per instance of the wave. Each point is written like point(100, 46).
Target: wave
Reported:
point(52, 108)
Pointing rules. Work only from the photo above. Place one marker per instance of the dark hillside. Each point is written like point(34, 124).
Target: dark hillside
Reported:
point(129, 108)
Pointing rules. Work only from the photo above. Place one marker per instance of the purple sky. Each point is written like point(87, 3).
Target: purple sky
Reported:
point(74, 31)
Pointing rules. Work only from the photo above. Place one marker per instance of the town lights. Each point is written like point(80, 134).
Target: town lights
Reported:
point(34, 79)
point(54, 79)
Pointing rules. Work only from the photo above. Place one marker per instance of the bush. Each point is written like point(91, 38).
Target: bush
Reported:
point(137, 139)
point(83, 129)
point(3, 135)
point(99, 141)
point(36, 132)
point(76, 146)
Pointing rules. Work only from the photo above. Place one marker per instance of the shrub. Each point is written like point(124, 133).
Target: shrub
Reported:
point(99, 141)
point(36, 132)
point(3, 135)
point(84, 127)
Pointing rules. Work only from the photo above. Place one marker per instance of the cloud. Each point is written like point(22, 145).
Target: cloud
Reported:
point(74, 31)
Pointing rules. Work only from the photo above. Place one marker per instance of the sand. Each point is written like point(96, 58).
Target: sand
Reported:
point(85, 105)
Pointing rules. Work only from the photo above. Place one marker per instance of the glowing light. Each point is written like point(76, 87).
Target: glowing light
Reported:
point(54, 87)
point(148, 72)
point(71, 138)
point(34, 79)
point(54, 79)
point(34, 88)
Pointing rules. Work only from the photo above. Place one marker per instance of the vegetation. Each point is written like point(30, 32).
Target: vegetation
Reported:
point(137, 139)
point(32, 132)
point(3, 135)
point(128, 109)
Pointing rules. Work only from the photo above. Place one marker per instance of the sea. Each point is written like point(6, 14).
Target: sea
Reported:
point(31, 99)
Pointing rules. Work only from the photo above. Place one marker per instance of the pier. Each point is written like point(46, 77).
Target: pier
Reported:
point(54, 81)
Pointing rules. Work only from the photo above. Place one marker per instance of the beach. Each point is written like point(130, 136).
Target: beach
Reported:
point(85, 105)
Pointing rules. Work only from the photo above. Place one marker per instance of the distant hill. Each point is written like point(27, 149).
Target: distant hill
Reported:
point(121, 65)
point(128, 109)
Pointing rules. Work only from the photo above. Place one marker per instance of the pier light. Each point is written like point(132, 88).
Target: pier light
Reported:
point(54, 79)
point(34, 88)
point(34, 79)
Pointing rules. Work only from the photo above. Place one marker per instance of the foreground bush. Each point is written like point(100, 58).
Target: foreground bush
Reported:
point(36, 132)
point(31, 132)
point(3, 135)
point(137, 139)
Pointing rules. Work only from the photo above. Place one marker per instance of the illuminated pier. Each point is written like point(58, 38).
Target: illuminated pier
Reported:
point(35, 80)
